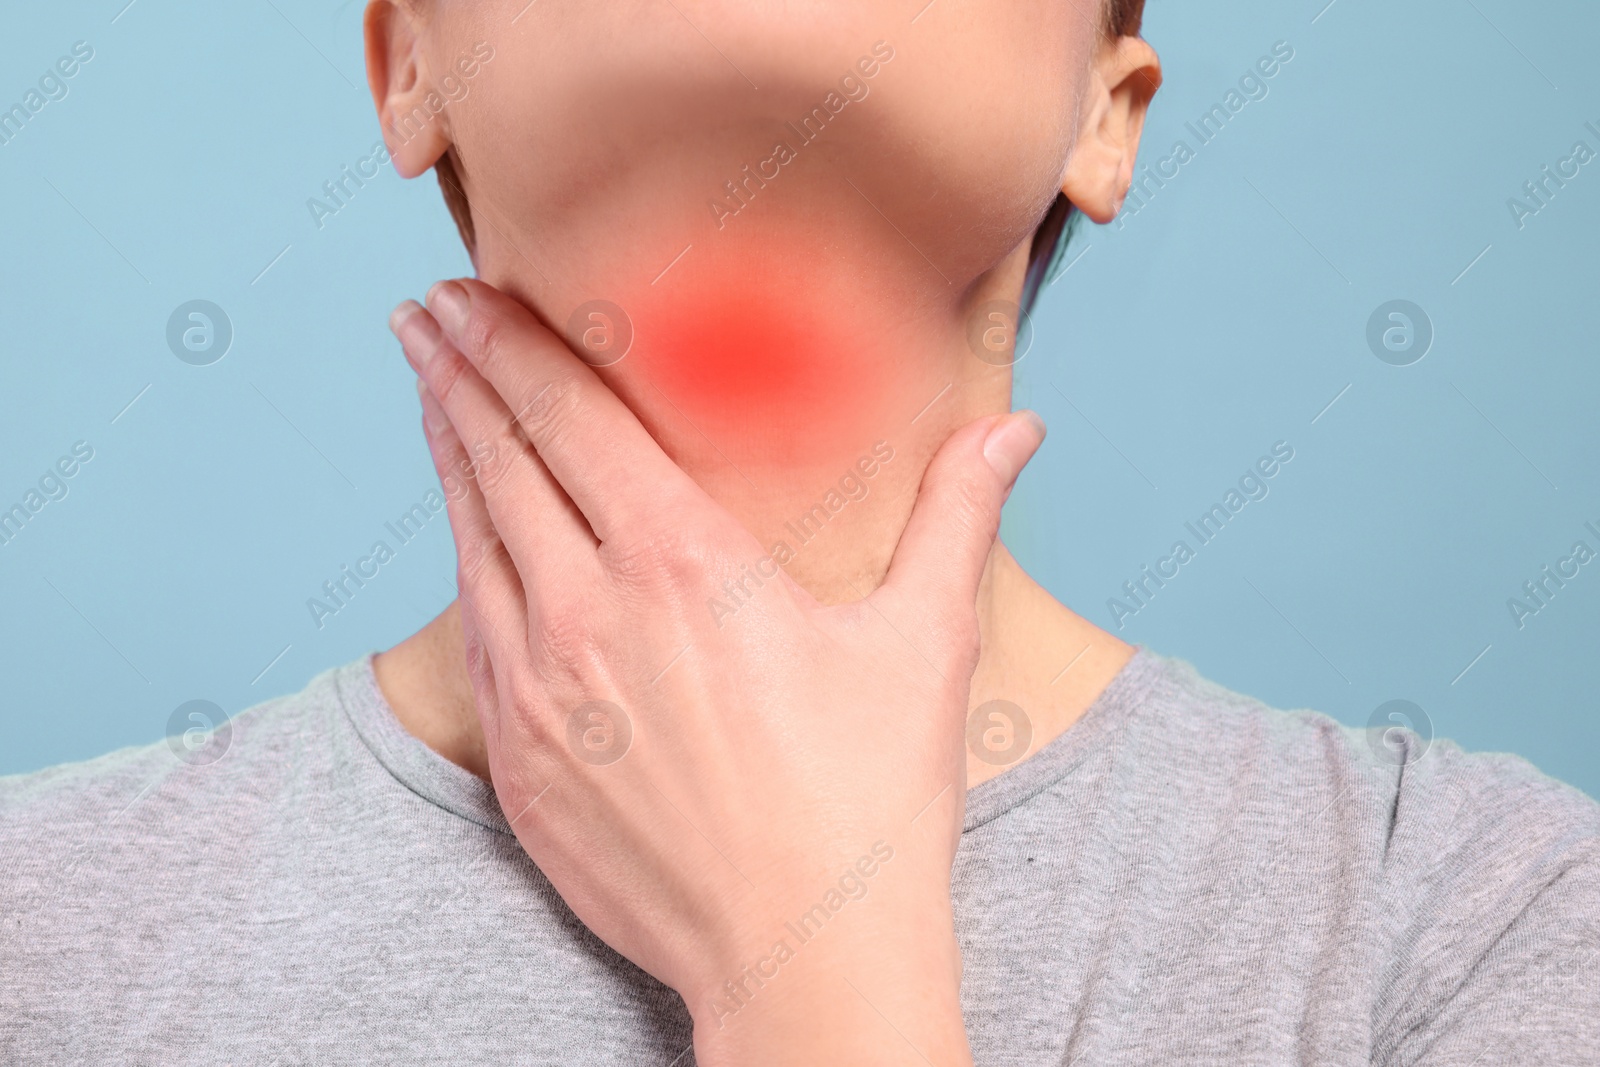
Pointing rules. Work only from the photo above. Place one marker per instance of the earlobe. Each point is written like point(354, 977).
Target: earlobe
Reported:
point(1126, 75)
point(410, 110)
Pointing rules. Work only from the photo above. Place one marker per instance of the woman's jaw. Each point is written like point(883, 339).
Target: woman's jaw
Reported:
point(794, 210)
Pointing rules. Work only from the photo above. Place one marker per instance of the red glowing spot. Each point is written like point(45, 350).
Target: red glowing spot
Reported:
point(730, 353)
point(758, 366)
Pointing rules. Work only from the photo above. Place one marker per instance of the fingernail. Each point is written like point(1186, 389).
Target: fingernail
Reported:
point(417, 331)
point(449, 303)
point(1012, 442)
point(402, 311)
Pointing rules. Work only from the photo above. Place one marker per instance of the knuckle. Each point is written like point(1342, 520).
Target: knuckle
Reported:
point(497, 459)
point(965, 514)
point(477, 562)
point(479, 667)
point(459, 479)
point(667, 555)
point(486, 340)
point(562, 635)
point(553, 406)
point(446, 374)
point(551, 411)
point(970, 502)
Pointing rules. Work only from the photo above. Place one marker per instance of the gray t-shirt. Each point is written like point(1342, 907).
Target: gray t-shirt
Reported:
point(1185, 876)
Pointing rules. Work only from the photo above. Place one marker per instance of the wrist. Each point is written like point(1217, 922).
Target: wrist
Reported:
point(856, 991)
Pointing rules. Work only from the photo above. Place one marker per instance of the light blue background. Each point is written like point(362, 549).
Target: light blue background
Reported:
point(1224, 316)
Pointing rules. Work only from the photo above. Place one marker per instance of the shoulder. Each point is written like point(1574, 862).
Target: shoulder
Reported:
point(99, 819)
point(1420, 798)
point(1492, 906)
point(1473, 879)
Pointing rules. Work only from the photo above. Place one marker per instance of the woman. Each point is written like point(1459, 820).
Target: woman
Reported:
point(746, 743)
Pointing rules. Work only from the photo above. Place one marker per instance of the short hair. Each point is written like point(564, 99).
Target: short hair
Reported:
point(1123, 19)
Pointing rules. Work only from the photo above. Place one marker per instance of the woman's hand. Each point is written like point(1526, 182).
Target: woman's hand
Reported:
point(759, 809)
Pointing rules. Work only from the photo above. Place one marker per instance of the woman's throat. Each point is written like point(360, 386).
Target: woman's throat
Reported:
point(761, 369)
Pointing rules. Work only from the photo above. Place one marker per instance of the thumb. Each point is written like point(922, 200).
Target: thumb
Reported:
point(941, 555)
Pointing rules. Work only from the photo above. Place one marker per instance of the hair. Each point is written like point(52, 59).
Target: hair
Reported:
point(1123, 19)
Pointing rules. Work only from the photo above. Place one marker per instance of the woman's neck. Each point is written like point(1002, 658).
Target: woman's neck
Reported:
point(808, 403)
point(803, 388)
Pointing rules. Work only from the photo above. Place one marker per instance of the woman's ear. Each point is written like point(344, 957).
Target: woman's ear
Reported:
point(410, 110)
point(1125, 76)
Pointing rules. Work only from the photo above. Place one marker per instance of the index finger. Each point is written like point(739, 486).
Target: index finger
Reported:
point(604, 458)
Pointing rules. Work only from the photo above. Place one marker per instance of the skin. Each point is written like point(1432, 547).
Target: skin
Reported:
point(829, 315)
